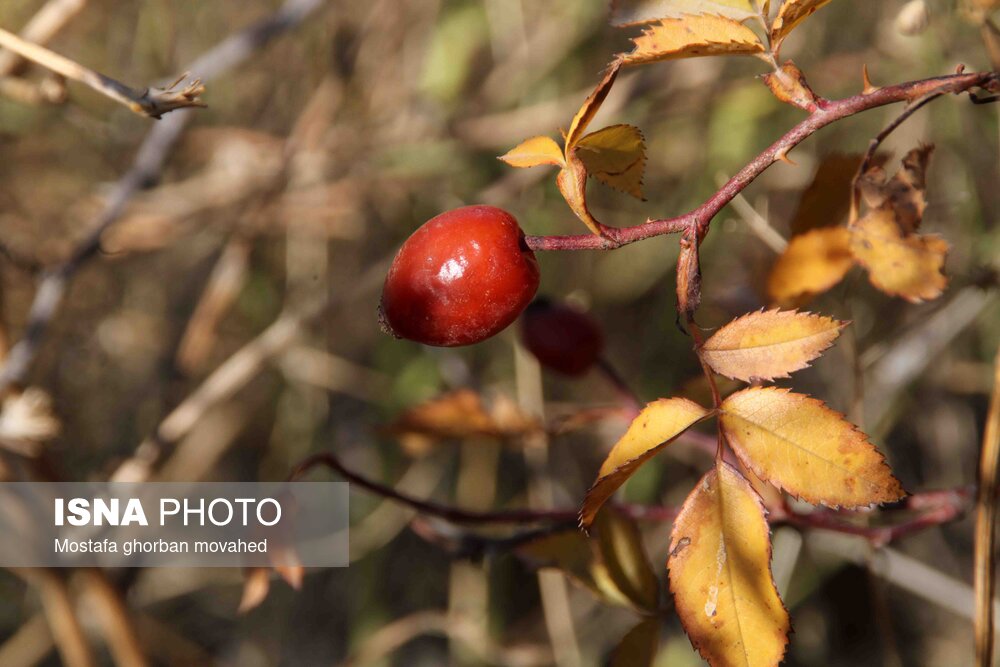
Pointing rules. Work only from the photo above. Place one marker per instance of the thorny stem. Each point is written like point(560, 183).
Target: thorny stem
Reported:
point(833, 111)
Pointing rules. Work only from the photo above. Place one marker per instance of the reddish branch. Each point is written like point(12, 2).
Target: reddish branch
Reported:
point(830, 112)
point(931, 508)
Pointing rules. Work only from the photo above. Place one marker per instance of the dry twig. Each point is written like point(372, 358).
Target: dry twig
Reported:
point(986, 509)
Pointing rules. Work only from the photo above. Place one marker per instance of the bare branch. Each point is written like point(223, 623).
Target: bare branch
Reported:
point(152, 102)
point(42, 27)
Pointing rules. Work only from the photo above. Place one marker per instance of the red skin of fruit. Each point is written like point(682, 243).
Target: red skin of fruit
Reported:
point(462, 277)
point(561, 338)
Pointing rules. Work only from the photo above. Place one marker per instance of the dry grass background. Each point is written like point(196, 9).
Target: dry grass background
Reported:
point(314, 160)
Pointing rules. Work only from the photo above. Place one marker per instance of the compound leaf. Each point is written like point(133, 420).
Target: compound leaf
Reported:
point(534, 152)
point(720, 575)
point(769, 344)
point(798, 444)
point(691, 36)
point(656, 426)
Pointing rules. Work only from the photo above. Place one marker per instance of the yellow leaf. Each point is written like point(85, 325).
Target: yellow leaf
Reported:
point(827, 200)
point(639, 646)
point(768, 345)
point(720, 574)
point(656, 426)
point(616, 156)
point(800, 445)
point(621, 549)
point(909, 266)
point(591, 105)
point(692, 36)
point(812, 263)
point(533, 152)
point(636, 12)
point(572, 182)
point(791, 14)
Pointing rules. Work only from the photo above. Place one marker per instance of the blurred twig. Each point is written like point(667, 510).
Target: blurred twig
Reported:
point(152, 102)
point(148, 162)
point(986, 507)
point(42, 27)
point(64, 624)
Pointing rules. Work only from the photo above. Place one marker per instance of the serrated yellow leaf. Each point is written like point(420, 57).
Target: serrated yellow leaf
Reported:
point(591, 105)
point(626, 13)
point(811, 264)
point(639, 646)
point(791, 14)
point(616, 156)
point(769, 344)
point(798, 444)
point(906, 265)
point(572, 182)
point(691, 36)
point(720, 574)
point(656, 426)
point(534, 152)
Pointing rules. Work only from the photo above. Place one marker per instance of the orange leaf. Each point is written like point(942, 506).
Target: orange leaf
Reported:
point(720, 555)
point(656, 426)
point(616, 156)
point(591, 105)
point(768, 345)
point(572, 182)
point(812, 263)
point(691, 36)
point(800, 445)
point(534, 152)
point(791, 14)
point(909, 266)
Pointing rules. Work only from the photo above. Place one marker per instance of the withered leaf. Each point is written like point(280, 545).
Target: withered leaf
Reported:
point(626, 13)
point(811, 264)
point(791, 14)
point(591, 105)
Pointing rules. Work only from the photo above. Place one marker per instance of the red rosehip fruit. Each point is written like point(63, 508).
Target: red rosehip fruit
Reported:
point(562, 338)
point(462, 277)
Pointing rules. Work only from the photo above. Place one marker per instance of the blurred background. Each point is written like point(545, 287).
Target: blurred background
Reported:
point(241, 286)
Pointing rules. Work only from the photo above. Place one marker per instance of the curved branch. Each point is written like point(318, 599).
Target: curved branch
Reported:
point(831, 112)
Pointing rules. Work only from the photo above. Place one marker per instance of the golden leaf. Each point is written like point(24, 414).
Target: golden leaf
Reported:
point(791, 14)
point(811, 264)
point(626, 13)
point(591, 105)
point(691, 36)
point(616, 156)
point(656, 426)
point(534, 152)
point(572, 182)
point(639, 646)
point(800, 445)
point(769, 344)
point(827, 200)
point(909, 266)
point(720, 575)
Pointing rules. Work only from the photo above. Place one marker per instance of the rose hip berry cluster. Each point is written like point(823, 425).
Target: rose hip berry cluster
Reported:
point(462, 277)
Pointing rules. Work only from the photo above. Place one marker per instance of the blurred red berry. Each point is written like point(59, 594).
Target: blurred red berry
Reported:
point(462, 277)
point(561, 338)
